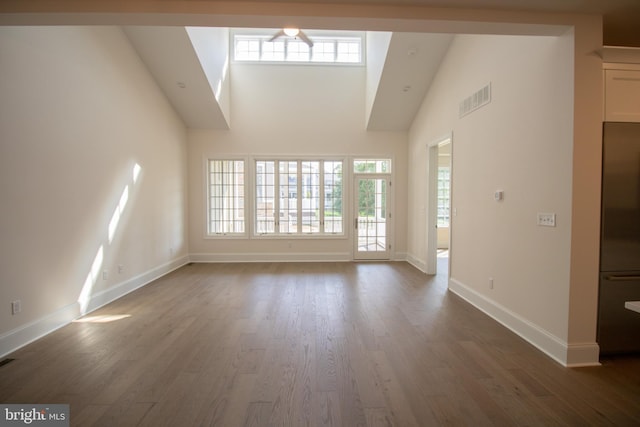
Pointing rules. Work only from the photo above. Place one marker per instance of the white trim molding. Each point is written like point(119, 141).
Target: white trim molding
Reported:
point(400, 256)
point(417, 263)
point(26, 334)
point(569, 355)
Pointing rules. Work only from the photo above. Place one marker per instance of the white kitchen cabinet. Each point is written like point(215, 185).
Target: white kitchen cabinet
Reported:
point(622, 95)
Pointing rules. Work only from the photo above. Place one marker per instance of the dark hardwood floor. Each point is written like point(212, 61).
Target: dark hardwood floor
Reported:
point(343, 344)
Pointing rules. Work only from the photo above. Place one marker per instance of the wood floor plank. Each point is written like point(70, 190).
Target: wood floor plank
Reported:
point(309, 344)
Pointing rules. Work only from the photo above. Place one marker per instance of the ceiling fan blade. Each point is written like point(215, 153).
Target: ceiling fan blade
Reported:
point(276, 35)
point(305, 39)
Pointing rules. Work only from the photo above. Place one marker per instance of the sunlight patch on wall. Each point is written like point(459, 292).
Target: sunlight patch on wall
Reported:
point(136, 172)
point(85, 294)
point(87, 289)
point(115, 218)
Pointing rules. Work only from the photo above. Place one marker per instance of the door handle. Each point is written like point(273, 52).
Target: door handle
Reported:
point(614, 278)
point(355, 222)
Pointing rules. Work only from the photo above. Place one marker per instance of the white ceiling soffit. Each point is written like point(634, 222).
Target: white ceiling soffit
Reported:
point(172, 59)
point(411, 64)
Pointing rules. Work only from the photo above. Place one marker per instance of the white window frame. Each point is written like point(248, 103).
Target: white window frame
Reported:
point(245, 199)
point(276, 233)
point(263, 36)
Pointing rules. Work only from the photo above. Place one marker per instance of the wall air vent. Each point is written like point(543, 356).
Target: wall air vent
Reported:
point(475, 101)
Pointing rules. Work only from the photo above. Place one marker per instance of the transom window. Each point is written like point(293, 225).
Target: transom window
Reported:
point(299, 197)
point(372, 166)
point(338, 50)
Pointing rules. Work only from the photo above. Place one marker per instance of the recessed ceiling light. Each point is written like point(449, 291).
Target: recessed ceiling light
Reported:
point(181, 85)
point(412, 51)
point(406, 88)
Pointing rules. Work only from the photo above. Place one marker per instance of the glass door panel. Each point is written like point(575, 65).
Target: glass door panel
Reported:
point(371, 222)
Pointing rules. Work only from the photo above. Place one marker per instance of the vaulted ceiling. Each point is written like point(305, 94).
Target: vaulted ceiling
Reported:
point(186, 72)
point(175, 60)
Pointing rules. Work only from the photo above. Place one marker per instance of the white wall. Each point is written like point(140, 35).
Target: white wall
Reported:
point(212, 47)
point(289, 110)
point(78, 111)
point(377, 47)
point(522, 143)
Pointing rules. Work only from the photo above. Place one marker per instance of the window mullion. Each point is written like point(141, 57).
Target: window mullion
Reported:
point(276, 197)
point(321, 200)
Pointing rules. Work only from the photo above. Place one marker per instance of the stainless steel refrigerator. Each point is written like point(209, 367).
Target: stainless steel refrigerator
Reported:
point(618, 327)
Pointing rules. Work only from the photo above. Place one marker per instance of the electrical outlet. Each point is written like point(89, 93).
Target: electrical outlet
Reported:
point(120, 269)
point(546, 219)
point(105, 275)
point(16, 307)
point(490, 282)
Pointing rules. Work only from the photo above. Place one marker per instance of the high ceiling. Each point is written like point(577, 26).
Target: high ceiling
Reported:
point(621, 18)
point(411, 61)
point(621, 27)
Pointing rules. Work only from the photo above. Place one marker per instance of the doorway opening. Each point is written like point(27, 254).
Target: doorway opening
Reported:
point(372, 187)
point(439, 202)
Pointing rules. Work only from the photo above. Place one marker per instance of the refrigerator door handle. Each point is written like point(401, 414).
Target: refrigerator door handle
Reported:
point(615, 278)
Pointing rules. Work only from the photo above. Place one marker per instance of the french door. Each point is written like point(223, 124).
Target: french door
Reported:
point(372, 217)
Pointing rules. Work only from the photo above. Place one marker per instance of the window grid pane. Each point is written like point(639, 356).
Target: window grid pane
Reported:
point(288, 181)
point(310, 197)
point(324, 51)
point(372, 221)
point(333, 197)
point(273, 51)
point(348, 52)
point(297, 51)
point(247, 49)
point(226, 196)
point(265, 197)
point(443, 196)
point(372, 166)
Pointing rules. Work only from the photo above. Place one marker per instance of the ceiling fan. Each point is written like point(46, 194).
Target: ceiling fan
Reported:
point(293, 32)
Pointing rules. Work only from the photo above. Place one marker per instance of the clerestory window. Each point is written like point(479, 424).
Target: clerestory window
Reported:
point(325, 49)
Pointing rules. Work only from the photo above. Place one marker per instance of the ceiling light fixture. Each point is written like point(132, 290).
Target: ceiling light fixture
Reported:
point(293, 32)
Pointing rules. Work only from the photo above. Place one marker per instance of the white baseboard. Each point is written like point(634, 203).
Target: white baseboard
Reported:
point(570, 355)
point(25, 334)
point(272, 257)
point(578, 355)
point(400, 256)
